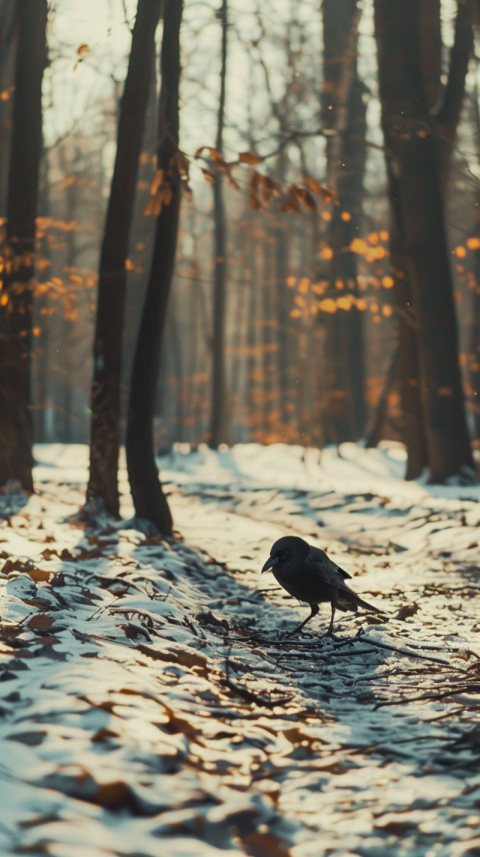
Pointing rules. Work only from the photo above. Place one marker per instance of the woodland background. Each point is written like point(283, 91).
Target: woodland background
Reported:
point(322, 163)
point(325, 160)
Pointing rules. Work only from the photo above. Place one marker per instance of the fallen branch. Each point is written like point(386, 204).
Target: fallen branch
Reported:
point(407, 653)
point(474, 688)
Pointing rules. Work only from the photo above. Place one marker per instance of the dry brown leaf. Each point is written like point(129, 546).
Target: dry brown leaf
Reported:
point(39, 575)
point(249, 158)
point(407, 610)
point(157, 182)
point(154, 207)
point(325, 193)
point(216, 157)
point(264, 845)
point(208, 175)
point(186, 659)
point(291, 204)
point(16, 565)
point(231, 181)
point(306, 198)
point(40, 622)
point(182, 164)
point(270, 187)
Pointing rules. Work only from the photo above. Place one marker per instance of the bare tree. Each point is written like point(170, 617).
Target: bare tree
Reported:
point(105, 394)
point(414, 162)
point(148, 497)
point(219, 425)
point(8, 42)
point(16, 311)
point(344, 112)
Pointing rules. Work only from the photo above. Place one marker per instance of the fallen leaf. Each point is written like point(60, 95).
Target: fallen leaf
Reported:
point(407, 610)
point(40, 622)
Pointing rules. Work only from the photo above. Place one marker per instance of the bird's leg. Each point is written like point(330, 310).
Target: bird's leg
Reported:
point(313, 612)
point(330, 627)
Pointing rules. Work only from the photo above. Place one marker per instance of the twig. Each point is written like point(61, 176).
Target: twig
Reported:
point(247, 694)
point(335, 652)
point(473, 688)
point(407, 653)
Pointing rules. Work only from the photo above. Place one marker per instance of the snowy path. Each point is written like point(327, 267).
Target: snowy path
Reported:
point(137, 716)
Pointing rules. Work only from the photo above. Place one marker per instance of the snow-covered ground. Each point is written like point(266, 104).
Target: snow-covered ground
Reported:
point(148, 705)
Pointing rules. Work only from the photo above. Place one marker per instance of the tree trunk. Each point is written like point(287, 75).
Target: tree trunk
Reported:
point(148, 497)
point(283, 299)
point(219, 424)
point(16, 319)
point(448, 111)
point(474, 361)
point(105, 392)
point(415, 162)
point(8, 31)
point(344, 111)
point(412, 425)
point(345, 419)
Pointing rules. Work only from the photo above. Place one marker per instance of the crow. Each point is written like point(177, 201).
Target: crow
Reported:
point(309, 575)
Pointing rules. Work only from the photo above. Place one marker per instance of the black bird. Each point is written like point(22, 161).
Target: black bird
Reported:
point(309, 575)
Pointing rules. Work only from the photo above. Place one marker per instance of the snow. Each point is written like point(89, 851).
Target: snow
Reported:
point(148, 705)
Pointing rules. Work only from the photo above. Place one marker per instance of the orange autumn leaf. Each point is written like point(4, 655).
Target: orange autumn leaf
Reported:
point(473, 243)
point(304, 285)
point(325, 193)
point(328, 305)
point(360, 246)
point(157, 182)
point(249, 158)
point(215, 156)
point(182, 164)
point(326, 253)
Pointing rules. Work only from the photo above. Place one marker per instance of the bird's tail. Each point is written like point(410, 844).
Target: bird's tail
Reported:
point(349, 600)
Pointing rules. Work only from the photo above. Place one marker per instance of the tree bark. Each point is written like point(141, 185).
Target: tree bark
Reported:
point(346, 412)
point(412, 420)
point(445, 111)
point(474, 356)
point(16, 314)
point(8, 32)
point(148, 497)
point(415, 163)
point(344, 111)
point(219, 424)
point(283, 299)
point(105, 392)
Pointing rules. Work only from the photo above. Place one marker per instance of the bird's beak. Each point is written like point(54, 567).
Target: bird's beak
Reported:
point(271, 561)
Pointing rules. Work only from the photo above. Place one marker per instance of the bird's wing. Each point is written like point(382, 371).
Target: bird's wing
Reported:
point(316, 555)
point(323, 571)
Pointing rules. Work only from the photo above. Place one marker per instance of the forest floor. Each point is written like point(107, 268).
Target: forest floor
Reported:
point(148, 705)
